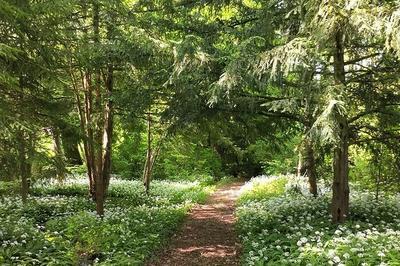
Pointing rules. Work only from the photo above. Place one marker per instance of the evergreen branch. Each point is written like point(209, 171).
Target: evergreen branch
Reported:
point(356, 60)
point(373, 111)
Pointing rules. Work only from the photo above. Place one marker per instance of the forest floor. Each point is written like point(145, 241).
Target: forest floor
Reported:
point(208, 235)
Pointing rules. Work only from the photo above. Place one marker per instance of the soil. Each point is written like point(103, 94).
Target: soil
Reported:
point(208, 235)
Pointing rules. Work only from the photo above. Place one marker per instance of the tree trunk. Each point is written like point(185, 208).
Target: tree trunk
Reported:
point(307, 166)
point(311, 168)
point(398, 172)
point(378, 177)
point(340, 197)
point(103, 179)
point(312, 173)
point(58, 154)
point(100, 195)
point(340, 187)
point(24, 182)
point(70, 142)
point(24, 164)
point(300, 164)
point(89, 136)
point(377, 184)
point(148, 163)
point(96, 118)
point(105, 123)
point(22, 169)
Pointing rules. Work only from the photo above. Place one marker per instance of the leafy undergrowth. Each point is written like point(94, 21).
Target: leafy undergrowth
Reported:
point(259, 189)
point(295, 229)
point(9, 188)
point(58, 226)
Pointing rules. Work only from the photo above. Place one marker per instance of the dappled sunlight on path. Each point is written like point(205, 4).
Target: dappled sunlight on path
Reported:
point(207, 236)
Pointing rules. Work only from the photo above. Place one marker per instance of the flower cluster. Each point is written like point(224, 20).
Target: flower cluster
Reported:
point(293, 229)
point(58, 224)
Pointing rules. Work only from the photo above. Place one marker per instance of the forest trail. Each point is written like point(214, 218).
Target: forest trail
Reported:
point(208, 235)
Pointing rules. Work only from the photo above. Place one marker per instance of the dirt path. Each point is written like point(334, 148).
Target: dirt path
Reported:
point(207, 237)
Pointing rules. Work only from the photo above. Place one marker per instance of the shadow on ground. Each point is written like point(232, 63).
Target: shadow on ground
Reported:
point(207, 236)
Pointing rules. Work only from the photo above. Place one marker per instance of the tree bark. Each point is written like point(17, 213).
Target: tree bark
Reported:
point(148, 163)
point(70, 143)
point(307, 166)
point(24, 164)
point(300, 164)
point(58, 154)
point(96, 119)
point(82, 119)
point(340, 187)
point(103, 179)
point(22, 168)
point(340, 197)
point(378, 177)
point(87, 128)
point(312, 171)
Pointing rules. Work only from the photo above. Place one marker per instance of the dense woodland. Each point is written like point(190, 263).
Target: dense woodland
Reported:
point(129, 112)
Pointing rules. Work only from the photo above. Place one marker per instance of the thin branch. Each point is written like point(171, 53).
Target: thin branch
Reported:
point(373, 111)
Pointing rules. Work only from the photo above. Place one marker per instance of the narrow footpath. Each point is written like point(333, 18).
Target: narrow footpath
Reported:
point(207, 237)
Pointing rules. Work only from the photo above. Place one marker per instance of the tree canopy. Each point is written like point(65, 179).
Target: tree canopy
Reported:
point(148, 89)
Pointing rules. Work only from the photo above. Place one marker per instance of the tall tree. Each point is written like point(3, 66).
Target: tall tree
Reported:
point(321, 37)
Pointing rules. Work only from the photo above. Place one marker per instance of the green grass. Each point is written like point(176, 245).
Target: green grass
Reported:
point(261, 189)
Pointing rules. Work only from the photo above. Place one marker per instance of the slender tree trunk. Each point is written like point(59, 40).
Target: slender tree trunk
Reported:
point(104, 124)
point(147, 168)
point(378, 176)
point(59, 155)
point(103, 178)
point(307, 166)
point(300, 165)
point(398, 172)
point(340, 198)
point(311, 168)
point(93, 110)
point(100, 195)
point(108, 127)
point(22, 166)
point(24, 181)
point(340, 187)
point(83, 125)
point(88, 125)
point(24, 153)
point(70, 143)
point(151, 156)
point(154, 156)
point(96, 119)
point(71, 151)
